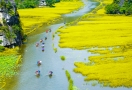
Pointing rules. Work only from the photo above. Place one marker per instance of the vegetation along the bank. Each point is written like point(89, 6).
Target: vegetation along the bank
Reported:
point(22, 4)
point(11, 34)
point(109, 38)
point(120, 7)
point(70, 87)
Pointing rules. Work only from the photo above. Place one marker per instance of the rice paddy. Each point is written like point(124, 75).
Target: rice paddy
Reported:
point(34, 18)
point(109, 39)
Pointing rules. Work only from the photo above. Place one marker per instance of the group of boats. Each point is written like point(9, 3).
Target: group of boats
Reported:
point(37, 73)
point(41, 41)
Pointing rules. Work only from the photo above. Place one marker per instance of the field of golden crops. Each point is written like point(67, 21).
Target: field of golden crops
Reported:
point(109, 38)
point(33, 18)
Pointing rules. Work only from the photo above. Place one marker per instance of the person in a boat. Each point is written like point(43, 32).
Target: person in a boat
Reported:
point(39, 62)
point(49, 30)
point(37, 44)
point(37, 72)
point(42, 45)
point(43, 49)
point(50, 72)
point(45, 38)
point(41, 40)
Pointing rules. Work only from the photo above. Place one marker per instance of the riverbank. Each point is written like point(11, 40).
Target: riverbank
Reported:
point(109, 38)
point(33, 18)
point(9, 62)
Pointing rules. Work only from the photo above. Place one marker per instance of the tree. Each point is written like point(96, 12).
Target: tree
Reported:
point(50, 3)
point(112, 8)
point(16, 29)
point(1, 41)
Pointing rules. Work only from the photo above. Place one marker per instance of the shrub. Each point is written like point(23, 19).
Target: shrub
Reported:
point(2, 48)
point(55, 49)
point(0, 41)
point(112, 8)
point(63, 58)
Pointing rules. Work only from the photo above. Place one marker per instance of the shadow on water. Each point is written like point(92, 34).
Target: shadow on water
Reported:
point(26, 80)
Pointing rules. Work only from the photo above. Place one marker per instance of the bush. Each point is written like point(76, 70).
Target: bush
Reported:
point(112, 8)
point(2, 48)
point(63, 58)
point(0, 41)
point(55, 49)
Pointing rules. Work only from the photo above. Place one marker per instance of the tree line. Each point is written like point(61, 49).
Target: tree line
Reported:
point(119, 7)
point(21, 4)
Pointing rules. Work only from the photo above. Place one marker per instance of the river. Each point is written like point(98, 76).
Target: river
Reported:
point(26, 79)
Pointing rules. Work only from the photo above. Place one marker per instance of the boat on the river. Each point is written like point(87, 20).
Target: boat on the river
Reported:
point(50, 73)
point(37, 44)
point(45, 38)
point(37, 73)
point(39, 63)
point(42, 45)
point(42, 49)
point(41, 40)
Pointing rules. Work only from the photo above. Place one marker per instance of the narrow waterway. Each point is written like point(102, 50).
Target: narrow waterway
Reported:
point(26, 80)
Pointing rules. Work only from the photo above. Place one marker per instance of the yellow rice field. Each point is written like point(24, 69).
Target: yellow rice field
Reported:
point(109, 39)
point(33, 18)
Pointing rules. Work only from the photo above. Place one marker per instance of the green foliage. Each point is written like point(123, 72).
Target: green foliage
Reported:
point(9, 35)
point(24, 37)
point(116, 1)
point(70, 87)
point(55, 49)
point(8, 65)
point(2, 48)
point(8, 6)
point(16, 28)
point(11, 12)
point(27, 3)
point(53, 36)
point(112, 8)
point(127, 8)
point(2, 3)
point(68, 75)
point(50, 2)
point(1, 41)
point(63, 58)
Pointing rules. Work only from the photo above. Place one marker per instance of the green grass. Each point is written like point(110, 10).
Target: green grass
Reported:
point(8, 65)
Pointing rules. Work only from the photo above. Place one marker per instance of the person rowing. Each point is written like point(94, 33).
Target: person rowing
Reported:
point(37, 72)
point(49, 30)
point(50, 73)
point(41, 40)
point(45, 38)
point(39, 63)
point(42, 45)
point(43, 49)
point(37, 44)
